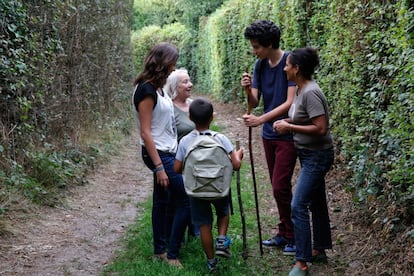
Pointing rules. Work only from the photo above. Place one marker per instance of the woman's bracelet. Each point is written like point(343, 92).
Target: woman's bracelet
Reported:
point(157, 165)
point(158, 169)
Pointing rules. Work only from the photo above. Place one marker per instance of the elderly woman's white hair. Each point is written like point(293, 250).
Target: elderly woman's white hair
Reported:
point(172, 82)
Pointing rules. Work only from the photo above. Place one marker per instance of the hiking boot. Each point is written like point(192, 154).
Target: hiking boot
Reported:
point(299, 271)
point(212, 265)
point(277, 240)
point(289, 250)
point(223, 247)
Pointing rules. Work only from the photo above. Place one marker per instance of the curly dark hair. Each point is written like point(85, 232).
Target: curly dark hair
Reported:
point(265, 32)
point(158, 63)
point(307, 59)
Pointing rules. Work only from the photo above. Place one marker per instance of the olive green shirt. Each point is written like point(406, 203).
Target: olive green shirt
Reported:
point(183, 122)
point(310, 103)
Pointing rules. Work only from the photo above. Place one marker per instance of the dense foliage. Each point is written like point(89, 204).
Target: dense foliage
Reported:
point(161, 12)
point(367, 65)
point(367, 73)
point(175, 21)
point(143, 40)
point(64, 70)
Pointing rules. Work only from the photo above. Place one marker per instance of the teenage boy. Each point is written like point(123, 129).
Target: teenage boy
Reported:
point(270, 82)
point(201, 113)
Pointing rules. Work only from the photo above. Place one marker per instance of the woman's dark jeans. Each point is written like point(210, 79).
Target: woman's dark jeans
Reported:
point(163, 200)
point(310, 195)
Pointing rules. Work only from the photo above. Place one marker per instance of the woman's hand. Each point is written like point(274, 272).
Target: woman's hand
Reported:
point(162, 178)
point(282, 126)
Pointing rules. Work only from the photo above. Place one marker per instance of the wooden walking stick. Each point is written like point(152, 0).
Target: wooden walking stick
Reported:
point(243, 219)
point(249, 109)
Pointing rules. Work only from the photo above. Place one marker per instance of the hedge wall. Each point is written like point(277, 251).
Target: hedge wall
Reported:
point(65, 69)
point(366, 50)
point(367, 65)
point(144, 39)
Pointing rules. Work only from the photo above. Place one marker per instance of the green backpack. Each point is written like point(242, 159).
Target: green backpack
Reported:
point(207, 168)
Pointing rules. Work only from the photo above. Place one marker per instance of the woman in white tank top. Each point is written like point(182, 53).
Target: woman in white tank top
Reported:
point(154, 113)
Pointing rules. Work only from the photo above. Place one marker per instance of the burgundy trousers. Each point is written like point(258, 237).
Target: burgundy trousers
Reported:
point(281, 160)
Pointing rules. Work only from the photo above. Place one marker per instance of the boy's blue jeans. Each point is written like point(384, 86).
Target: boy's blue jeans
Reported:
point(173, 198)
point(310, 195)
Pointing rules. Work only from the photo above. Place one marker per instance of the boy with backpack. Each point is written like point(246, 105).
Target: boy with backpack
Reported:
point(207, 158)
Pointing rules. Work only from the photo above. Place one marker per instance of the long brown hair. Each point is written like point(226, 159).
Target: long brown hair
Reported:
point(158, 63)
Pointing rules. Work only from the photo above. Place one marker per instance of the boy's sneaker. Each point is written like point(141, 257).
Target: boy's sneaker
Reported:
point(277, 240)
point(289, 250)
point(212, 265)
point(223, 247)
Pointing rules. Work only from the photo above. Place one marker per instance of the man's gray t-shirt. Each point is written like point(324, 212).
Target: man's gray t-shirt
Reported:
point(309, 104)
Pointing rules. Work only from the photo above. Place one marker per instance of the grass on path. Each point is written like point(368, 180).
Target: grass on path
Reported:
point(136, 256)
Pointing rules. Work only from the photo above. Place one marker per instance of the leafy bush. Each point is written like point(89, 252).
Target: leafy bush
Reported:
point(63, 79)
point(366, 72)
point(143, 40)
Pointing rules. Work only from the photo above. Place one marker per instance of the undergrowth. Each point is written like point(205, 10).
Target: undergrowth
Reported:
point(49, 171)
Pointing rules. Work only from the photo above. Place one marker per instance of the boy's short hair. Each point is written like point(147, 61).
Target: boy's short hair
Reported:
point(201, 111)
point(265, 32)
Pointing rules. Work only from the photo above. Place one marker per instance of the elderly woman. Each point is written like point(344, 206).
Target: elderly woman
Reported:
point(309, 122)
point(179, 88)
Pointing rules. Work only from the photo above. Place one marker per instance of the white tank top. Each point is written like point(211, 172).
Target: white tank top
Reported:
point(163, 129)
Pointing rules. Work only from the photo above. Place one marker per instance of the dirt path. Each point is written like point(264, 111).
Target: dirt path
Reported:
point(80, 237)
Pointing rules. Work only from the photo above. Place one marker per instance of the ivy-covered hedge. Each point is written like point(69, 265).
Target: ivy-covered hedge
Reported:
point(367, 73)
point(366, 50)
point(144, 39)
point(65, 68)
point(171, 17)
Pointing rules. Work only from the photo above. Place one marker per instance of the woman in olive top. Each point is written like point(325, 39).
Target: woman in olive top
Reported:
point(179, 87)
point(309, 122)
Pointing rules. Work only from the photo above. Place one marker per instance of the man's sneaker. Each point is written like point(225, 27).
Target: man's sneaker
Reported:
point(212, 265)
point(289, 250)
point(223, 247)
point(277, 240)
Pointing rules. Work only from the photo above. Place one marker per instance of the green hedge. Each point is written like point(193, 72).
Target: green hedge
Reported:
point(367, 56)
point(367, 65)
point(65, 76)
point(143, 40)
